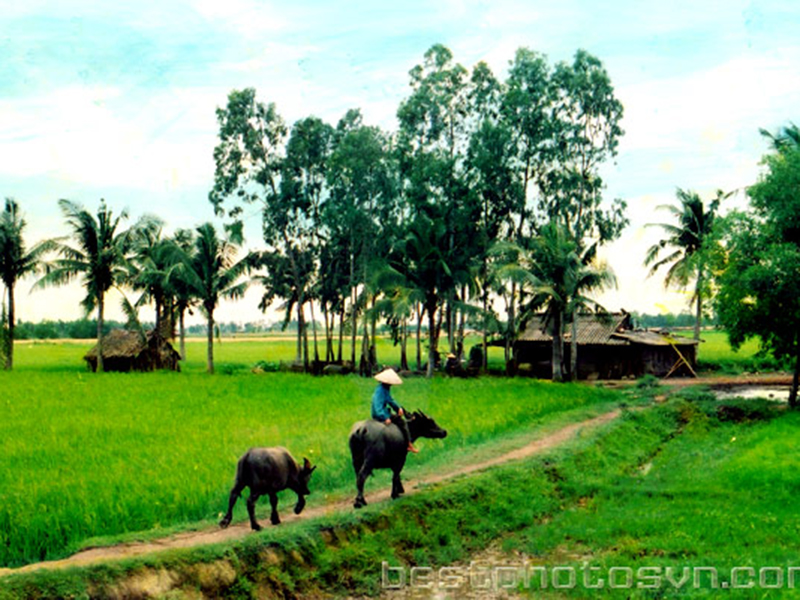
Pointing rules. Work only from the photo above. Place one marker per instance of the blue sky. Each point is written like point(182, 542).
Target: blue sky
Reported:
point(117, 101)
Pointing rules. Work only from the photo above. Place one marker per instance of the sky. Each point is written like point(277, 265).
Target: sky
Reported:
point(117, 100)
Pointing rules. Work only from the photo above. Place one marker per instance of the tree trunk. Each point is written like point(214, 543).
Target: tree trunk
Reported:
point(341, 332)
point(210, 346)
point(353, 301)
point(303, 335)
point(512, 317)
point(420, 314)
point(485, 359)
point(373, 347)
point(432, 338)
point(314, 331)
point(699, 310)
point(573, 350)
point(100, 366)
point(451, 317)
point(11, 325)
point(462, 323)
point(558, 348)
point(795, 380)
point(404, 345)
point(364, 367)
point(182, 332)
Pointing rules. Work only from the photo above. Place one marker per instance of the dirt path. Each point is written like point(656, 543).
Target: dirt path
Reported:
point(712, 381)
point(241, 529)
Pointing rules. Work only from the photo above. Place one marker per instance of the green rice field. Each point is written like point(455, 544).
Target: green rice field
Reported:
point(88, 455)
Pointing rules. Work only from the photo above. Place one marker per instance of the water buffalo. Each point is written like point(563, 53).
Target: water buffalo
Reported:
point(374, 445)
point(268, 471)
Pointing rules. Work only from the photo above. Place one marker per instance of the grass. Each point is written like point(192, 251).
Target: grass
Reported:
point(342, 554)
point(668, 487)
point(716, 354)
point(88, 455)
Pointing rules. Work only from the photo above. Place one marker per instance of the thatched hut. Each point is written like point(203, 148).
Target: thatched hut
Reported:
point(130, 351)
point(608, 348)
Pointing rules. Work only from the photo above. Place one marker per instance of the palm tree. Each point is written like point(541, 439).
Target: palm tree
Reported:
point(184, 298)
point(153, 272)
point(99, 254)
point(15, 263)
point(787, 138)
point(211, 272)
point(585, 277)
point(687, 244)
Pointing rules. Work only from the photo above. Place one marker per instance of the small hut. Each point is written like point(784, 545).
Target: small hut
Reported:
point(608, 348)
point(131, 351)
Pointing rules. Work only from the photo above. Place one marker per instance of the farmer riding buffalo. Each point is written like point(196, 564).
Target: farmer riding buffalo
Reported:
point(384, 442)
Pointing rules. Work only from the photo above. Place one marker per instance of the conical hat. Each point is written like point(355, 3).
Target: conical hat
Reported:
point(389, 377)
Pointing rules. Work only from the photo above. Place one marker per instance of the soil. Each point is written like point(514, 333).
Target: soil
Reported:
point(242, 529)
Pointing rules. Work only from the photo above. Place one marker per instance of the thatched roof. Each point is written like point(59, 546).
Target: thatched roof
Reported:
point(654, 338)
point(123, 344)
point(595, 329)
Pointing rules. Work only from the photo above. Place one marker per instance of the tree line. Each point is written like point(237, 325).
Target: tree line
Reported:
point(488, 193)
point(488, 189)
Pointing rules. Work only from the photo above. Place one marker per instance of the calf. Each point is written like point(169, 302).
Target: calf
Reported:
point(268, 471)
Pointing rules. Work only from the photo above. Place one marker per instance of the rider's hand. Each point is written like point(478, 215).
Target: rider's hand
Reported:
point(388, 421)
point(401, 412)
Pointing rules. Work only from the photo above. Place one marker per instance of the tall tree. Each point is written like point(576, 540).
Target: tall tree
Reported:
point(759, 293)
point(689, 247)
point(432, 143)
point(99, 255)
point(361, 213)
point(491, 159)
point(212, 272)
point(16, 262)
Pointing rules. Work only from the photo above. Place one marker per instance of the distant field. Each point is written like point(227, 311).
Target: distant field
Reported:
point(716, 353)
point(243, 351)
point(233, 354)
point(86, 455)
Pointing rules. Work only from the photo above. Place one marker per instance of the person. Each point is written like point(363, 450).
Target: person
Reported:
point(382, 401)
point(451, 366)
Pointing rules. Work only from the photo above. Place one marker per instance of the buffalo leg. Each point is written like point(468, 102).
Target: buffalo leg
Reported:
point(301, 504)
point(251, 510)
point(366, 471)
point(235, 492)
point(397, 486)
point(273, 501)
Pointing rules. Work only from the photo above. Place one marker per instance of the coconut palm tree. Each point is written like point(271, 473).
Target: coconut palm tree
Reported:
point(558, 279)
point(99, 254)
point(184, 298)
point(585, 277)
point(16, 261)
point(786, 138)
point(688, 245)
point(211, 272)
point(154, 272)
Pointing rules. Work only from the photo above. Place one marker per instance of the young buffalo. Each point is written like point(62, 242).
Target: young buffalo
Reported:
point(268, 471)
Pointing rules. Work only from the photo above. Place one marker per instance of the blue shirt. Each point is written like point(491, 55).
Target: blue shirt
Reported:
point(380, 400)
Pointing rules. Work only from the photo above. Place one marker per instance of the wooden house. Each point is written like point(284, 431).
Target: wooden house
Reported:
point(608, 348)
